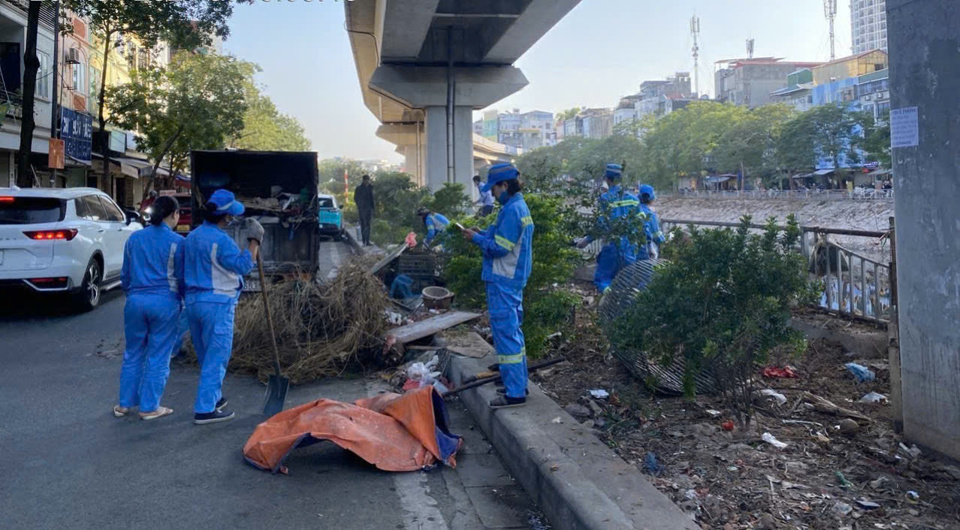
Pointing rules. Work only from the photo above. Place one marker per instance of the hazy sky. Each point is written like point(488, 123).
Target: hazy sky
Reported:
point(602, 50)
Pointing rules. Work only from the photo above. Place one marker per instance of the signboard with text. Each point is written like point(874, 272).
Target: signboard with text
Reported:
point(76, 131)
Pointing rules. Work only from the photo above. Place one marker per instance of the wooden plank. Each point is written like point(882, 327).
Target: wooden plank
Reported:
point(469, 345)
point(430, 326)
point(394, 254)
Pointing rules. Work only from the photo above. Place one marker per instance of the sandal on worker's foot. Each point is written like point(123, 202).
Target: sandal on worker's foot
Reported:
point(504, 402)
point(502, 391)
point(119, 412)
point(159, 413)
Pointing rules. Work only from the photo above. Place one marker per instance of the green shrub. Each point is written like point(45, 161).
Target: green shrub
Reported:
point(721, 305)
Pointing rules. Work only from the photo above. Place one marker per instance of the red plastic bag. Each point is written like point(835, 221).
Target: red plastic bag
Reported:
point(779, 373)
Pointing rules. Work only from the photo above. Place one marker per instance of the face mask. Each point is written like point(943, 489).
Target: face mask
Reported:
point(503, 197)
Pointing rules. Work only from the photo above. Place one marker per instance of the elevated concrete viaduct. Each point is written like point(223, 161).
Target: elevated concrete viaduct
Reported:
point(425, 66)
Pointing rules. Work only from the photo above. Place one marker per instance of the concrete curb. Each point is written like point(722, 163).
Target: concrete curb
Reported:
point(357, 247)
point(578, 482)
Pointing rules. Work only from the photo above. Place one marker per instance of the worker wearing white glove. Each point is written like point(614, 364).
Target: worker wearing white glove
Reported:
point(254, 230)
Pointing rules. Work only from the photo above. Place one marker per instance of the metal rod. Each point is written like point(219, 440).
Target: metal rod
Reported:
point(863, 288)
point(877, 305)
point(480, 382)
point(832, 231)
point(828, 282)
point(451, 96)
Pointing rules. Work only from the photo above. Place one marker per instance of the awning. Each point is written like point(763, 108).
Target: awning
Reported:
point(134, 168)
point(822, 172)
point(880, 173)
point(713, 180)
point(78, 162)
point(802, 176)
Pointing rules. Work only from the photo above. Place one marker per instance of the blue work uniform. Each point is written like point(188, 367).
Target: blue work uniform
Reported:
point(651, 229)
point(507, 248)
point(152, 277)
point(615, 255)
point(436, 223)
point(214, 267)
point(486, 201)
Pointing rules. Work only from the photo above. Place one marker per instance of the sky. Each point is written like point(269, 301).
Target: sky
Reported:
point(602, 50)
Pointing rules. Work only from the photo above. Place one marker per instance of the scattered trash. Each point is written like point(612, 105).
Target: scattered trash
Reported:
point(556, 420)
point(844, 483)
point(860, 372)
point(772, 440)
point(781, 399)
point(868, 505)
point(912, 497)
point(690, 495)
point(779, 373)
point(650, 464)
point(421, 374)
point(727, 425)
point(842, 509)
point(848, 426)
point(878, 483)
point(873, 397)
point(599, 394)
point(555, 467)
point(913, 451)
point(713, 413)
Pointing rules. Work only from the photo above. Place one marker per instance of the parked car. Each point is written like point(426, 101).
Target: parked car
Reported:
point(186, 214)
point(331, 218)
point(63, 241)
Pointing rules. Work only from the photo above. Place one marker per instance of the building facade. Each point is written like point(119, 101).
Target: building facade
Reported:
point(751, 82)
point(869, 24)
point(13, 36)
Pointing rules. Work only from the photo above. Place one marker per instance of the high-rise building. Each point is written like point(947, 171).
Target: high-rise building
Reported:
point(869, 21)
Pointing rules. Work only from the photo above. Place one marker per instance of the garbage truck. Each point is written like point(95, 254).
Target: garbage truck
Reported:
point(279, 189)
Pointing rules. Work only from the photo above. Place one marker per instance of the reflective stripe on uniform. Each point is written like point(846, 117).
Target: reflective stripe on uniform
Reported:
point(171, 276)
point(511, 359)
point(505, 243)
point(527, 221)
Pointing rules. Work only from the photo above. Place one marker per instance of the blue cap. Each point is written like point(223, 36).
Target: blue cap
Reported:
point(647, 193)
point(499, 173)
point(614, 171)
point(226, 203)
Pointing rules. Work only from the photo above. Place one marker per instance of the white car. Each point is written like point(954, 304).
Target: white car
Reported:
point(62, 240)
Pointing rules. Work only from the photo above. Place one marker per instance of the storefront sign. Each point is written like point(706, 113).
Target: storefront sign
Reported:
point(76, 131)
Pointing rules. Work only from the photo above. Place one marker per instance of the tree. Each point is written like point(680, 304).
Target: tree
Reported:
point(828, 132)
point(186, 24)
point(31, 63)
point(569, 113)
point(877, 143)
point(197, 103)
point(752, 144)
point(721, 305)
point(264, 127)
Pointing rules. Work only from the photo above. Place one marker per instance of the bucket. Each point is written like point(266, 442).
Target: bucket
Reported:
point(437, 298)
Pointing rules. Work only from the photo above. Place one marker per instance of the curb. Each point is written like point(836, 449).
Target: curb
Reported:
point(577, 481)
point(352, 241)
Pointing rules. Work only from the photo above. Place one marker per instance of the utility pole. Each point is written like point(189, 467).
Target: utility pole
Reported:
point(830, 11)
point(695, 31)
point(30, 66)
point(750, 43)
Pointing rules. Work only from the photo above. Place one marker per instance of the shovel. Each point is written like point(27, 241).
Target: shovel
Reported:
point(277, 385)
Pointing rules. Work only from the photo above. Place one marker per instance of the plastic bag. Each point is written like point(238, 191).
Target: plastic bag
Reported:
point(860, 372)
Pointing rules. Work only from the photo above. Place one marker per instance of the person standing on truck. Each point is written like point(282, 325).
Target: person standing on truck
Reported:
point(507, 249)
point(363, 197)
point(214, 267)
point(152, 278)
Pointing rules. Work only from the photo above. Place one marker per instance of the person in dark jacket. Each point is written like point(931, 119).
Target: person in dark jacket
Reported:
point(363, 197)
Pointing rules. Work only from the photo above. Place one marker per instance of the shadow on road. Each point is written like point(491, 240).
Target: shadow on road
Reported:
point(28, 306)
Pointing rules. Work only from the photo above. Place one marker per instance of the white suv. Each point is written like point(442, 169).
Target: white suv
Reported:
point(62, 240)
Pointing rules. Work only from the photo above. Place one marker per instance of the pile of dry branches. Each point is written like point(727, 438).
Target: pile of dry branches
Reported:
point(321, 328)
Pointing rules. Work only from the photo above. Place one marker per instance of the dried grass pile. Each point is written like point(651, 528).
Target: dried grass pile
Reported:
point(322, 329)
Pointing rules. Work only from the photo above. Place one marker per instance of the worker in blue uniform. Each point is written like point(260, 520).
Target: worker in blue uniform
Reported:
point(507, 249)
point(613, 205)
point(436, 224)
point(651, 223)
point(214, 267)
point(153, 281)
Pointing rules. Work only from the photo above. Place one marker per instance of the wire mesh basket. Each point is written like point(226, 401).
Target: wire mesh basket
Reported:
point(628, 284)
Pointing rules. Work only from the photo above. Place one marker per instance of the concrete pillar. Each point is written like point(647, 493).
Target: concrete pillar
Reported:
point(436, 147)
point(924, 43)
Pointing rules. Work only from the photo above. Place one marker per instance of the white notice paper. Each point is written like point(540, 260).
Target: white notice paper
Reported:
point(904, 127)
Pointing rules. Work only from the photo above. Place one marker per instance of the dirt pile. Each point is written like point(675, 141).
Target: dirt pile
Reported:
point(837, 470)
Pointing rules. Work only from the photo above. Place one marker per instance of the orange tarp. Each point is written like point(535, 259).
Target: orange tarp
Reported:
point(391, 431)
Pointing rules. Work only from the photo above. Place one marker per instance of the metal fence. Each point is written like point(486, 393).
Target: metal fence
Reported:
point(858, 194)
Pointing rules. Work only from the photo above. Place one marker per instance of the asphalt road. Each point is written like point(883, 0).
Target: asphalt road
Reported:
point(68, 463)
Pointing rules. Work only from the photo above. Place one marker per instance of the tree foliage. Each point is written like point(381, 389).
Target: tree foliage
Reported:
point(834, 132)
point(575, 166)
point(721, 305)
point(264, 127)
point(196, 103)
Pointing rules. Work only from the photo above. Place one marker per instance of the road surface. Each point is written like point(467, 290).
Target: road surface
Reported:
point(68, 463)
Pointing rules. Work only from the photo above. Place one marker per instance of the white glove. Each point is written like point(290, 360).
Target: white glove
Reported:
point(254, 230)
